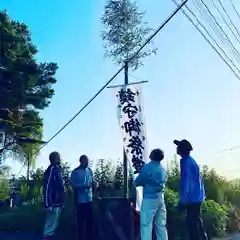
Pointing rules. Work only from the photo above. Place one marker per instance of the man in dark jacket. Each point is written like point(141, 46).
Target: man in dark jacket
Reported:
point(192, 193)
point(53, 192)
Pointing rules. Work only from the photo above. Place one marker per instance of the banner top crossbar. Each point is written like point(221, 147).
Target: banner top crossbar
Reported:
point(125, 85)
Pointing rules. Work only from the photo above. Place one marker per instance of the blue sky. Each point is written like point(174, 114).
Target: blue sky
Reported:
point(191, 93)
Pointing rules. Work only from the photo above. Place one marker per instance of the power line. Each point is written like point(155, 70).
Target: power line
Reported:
point(235, 9)
point(225, 150)
point(148, 40)
point(208, 41)
point(215, 23)
point(210, 22)
point(76, 115)
point(225, 11)
point(225, 21)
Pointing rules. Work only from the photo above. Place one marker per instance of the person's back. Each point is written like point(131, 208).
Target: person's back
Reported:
point(153, 179)
point(192, 180)
point(192, 193)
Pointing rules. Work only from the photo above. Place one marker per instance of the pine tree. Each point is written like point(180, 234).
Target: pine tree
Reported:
point(25, 88)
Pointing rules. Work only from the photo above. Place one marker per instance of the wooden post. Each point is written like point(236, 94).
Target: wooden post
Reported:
point(125, 161)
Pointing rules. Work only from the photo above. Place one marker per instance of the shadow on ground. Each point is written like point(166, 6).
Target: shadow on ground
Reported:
point(31, 236)
point(19, 236)
point(232, 237)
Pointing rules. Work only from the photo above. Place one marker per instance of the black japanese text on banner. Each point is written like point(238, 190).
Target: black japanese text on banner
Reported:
point(132, 127)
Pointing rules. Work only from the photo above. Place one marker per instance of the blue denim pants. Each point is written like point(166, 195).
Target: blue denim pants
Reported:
point(153, 212)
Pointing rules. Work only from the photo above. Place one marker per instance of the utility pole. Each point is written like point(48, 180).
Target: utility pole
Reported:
point(125, 160)
point(126, 172)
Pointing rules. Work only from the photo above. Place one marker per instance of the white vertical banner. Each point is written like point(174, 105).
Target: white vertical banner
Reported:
point(132, 127)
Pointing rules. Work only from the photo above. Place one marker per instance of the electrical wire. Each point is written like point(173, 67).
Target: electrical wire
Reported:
point(76, 115)
point(235, 9)
point(225, 21)
point(223, 36)
point(225, 11)
point(210, 22)
point(208, 41)
point(226, 150)
point(148, 40)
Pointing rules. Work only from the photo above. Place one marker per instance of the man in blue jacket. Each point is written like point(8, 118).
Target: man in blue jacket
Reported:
point(53, 191)
point(153, 178)
point(83, 183)
point(192, 192)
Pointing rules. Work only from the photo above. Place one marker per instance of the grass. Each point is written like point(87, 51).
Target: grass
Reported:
point(31, 219)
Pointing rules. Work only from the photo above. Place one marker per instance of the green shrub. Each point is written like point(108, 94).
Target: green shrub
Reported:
point(215, 217)
point(175, 221)
point(26, 218)
point(24, 189)
point(232, 193)
point(234, 219)
point(4, 189)
point(173, 172)
point(215, 185)
point(30, 218)
point(218, 217)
